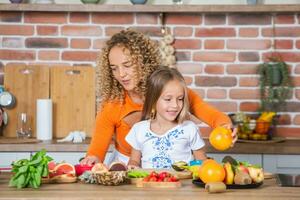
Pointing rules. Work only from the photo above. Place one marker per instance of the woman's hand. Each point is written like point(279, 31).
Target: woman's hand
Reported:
point(234, 133)
point(89, 160)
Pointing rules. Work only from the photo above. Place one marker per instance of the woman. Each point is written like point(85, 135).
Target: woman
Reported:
point(125, 64)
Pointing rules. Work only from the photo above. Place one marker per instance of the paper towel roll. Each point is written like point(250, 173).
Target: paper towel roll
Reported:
point(44, 119)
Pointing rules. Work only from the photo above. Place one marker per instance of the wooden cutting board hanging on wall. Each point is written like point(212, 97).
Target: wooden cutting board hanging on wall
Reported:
point(27, 84)
point(73, 94)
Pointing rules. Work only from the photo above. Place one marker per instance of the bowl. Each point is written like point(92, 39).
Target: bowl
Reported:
point(138, 1)
point(80, 169)
point(111, 178)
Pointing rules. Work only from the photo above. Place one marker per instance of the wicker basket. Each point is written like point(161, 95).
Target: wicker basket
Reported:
point(111, 177)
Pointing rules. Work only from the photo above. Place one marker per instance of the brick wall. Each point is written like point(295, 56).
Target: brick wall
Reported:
point(217, 53)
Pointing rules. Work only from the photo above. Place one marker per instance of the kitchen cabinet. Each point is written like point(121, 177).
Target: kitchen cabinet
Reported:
point(7, 158)
point(289, 164)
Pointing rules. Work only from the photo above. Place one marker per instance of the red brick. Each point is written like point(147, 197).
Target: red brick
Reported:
point(248, 56)
point(188, 80)
point(199, 92)
point(183, 31)
point(187, 44)
point(296, 120)
point(109, 31)
point(297, 69)
point(80, 55)
point(214, 69)
point(287, 132)
point(98, 43)
point(298, 44)
point(46, 43)
point(80, 43)
point(112, 18)
point(45, 17)
point(249, 82)
point(249, 19)
point(284, 120)
point(183, 55)
point(214, 44)
point(249, 106)
point(79, 17)
point(291, 107)
point(286, 56)
point(241, 69)
point(215, 32)
point(214, 56)
point(185, 19)
point(248, 32)
point(296, 81)
point(150, 31)
point(284, 44)
point(10, 16)
point(244, 94)
point(216, 94)
point(81, 30)
point(12, 42)
point(48, 55)
point(215, 81)
point(281, 32)
point(16, 30)
point(285, 19)
point(225, 106)
point(17, 54)
point(248, 44)
point(189, 68)
point(214, 19)
point(146, 18)
point(47, 30)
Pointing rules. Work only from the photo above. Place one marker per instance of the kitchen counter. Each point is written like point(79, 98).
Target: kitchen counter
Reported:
point(287, 147)
point(269, 190)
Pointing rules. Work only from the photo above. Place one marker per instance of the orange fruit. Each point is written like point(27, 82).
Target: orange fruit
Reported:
point(211, 171)
point(64, 168)
point(220, 138)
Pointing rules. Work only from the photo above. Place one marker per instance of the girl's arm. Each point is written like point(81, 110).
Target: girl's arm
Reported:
point(199, 154)
point(135, 158)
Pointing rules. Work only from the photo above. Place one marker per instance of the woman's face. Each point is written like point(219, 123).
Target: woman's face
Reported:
point(122, 67)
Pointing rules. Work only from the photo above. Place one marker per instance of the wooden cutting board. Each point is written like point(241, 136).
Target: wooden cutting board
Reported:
point(27, 84)
point(73, 96)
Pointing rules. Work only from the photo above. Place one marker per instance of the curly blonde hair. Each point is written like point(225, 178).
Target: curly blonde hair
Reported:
point(144, 56)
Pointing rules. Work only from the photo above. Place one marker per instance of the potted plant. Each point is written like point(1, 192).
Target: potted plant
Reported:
point(275, 84)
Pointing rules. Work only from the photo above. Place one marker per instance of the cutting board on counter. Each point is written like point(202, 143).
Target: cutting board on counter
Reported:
point(27, 83)
point(73, 94)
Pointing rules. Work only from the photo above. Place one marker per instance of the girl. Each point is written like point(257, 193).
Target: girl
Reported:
point(165, 135)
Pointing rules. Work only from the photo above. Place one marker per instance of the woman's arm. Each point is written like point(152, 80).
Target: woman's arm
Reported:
point(135, 158)
point(205, 112)
point(103, 132)
point(199, 154)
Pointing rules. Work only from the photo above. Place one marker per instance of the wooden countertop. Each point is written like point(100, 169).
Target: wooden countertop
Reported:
point(286, 147)
point(269, 190)
point(151, 8)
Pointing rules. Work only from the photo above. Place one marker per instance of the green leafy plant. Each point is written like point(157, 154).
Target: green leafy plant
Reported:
point(275, 84)
point(29, 173)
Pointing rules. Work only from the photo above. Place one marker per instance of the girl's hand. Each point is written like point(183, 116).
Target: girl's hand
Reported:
point(234, 133)
point(130, 167)
point(89, 160)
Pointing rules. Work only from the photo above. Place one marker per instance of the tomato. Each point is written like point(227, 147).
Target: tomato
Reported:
point(211, 171)
point(220, 138)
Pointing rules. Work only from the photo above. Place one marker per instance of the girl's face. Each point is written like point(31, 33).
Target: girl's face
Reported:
point(170, 102)
point(122, 67)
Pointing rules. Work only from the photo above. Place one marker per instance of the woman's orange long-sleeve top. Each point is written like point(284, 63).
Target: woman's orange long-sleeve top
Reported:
point(109, 122)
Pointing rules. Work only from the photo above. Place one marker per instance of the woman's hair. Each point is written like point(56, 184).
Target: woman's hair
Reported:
point(144, 56)
point(155, 86)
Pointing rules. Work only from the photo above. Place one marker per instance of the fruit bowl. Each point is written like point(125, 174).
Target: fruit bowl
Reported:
point(110, 177)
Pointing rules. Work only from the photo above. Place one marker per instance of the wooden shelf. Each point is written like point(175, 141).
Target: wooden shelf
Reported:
point(151, 8)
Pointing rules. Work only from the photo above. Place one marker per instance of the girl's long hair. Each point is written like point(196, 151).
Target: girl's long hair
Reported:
point(155, 86)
